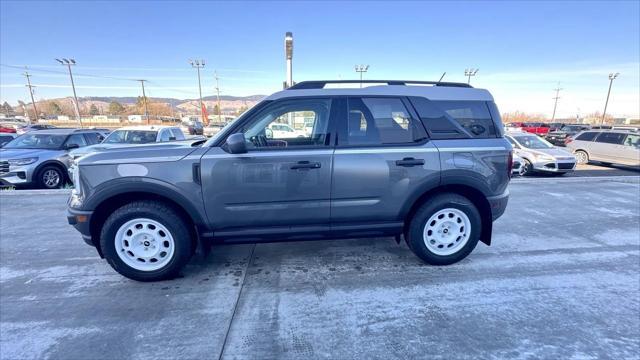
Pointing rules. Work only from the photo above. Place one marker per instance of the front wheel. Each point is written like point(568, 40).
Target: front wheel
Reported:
point(146, 241)
point(527, 168)
point(50, 177)
point(445, 229)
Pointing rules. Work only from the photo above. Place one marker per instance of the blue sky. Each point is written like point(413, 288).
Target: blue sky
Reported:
point(523, 49)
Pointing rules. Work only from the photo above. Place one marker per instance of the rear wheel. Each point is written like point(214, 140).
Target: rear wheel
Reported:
point(581, 157)
point(146, 241)
point(445, 229)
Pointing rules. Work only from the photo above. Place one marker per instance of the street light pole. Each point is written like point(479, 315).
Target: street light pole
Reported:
point(361, 69)
point(288, 54)
point(215, 73)
point(68, 63)
point(144, 100)
point(200, 64)
point(469, 73)
point(612, 77)
point(35, 111)
point(555, 105)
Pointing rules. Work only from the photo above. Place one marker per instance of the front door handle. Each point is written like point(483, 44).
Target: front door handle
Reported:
point(409, 162)
point(305, 165)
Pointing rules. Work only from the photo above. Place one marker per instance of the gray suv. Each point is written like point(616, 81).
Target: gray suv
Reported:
point(426, 161)
point(41, 158)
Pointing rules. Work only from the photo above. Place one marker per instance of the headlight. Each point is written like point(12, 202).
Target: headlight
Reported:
point(25, 161)
point(544, 157)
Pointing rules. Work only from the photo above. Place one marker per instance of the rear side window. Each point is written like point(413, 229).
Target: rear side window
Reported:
point(93, 138)
point(587, 136)
point(178, 134)
point(381, 121)
point(446, 119)
point(611, 138)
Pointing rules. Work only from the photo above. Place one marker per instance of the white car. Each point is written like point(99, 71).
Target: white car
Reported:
point(518, 165)
point(284, 131)
point(540, 155)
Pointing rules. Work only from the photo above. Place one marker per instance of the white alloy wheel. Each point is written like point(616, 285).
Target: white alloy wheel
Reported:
point(447, 231)
point(144, 244)
point(581, 157)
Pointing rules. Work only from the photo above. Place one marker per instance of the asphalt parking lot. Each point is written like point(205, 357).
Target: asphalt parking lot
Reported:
point(562, 280)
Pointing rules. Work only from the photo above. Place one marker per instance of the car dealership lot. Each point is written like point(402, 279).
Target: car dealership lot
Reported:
point(562, 279)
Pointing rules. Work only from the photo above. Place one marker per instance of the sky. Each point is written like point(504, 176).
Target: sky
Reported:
point(522, 49)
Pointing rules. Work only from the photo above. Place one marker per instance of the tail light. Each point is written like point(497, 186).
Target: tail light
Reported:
point(510, 164)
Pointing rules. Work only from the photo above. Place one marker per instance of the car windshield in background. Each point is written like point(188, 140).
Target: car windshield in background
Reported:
point(37, 141)
point(533, 142)
point(572, 128)
point(131, 137)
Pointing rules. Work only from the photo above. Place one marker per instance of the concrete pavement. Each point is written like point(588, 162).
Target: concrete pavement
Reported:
point(561, 280)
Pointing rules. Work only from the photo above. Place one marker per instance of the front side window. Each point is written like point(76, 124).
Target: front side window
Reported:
point(610, 138)
point(632, 140)
point(587, 136)
point(300, 122)
point(381, 121)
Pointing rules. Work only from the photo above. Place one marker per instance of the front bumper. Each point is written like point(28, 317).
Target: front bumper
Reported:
point(498, 204)
point(81, 221)
point(16, 176)
point(556, 166)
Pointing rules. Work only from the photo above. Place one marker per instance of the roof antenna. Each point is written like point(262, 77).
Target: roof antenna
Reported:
point(441, 77)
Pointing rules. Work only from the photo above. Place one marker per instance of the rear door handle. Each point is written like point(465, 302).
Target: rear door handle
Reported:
point(306, 165)
point(409, 162)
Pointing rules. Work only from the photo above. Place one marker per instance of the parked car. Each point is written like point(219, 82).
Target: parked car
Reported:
point(428, 163)
point(6, 129)
point(607, 146)
point(537, 128)
point(132, 135)
point(539, 155)
point(31, 127)
point(555, 126)
point(283, 131)
point(6, 137)
point(514, 126)
point(559, 137)
point(41, 158)
point(192, 126)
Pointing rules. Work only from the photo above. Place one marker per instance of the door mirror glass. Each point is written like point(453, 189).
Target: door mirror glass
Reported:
point(236, 143)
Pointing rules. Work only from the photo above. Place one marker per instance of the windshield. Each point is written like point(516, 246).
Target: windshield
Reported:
point(131, 137)
point(532, 142)
point(37, 141)
point(572, 128)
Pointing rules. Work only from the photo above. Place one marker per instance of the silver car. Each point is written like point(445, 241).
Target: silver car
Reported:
point(41, 158)
point(607, 146)
point(540, 155)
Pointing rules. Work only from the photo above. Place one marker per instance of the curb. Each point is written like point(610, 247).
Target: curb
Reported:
point(35, 192)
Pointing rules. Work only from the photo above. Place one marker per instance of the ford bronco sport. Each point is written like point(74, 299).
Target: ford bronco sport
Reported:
point(426, 161)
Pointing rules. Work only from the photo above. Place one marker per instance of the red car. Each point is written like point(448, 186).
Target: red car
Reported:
point(537, 128)
point(6, 129)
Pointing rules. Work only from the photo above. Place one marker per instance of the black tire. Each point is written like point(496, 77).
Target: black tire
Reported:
point(44, 177)
point(428, 209)
point(527, 168)
point(164, 215)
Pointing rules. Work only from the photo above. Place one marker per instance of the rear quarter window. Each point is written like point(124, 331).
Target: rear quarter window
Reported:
point(453, 119)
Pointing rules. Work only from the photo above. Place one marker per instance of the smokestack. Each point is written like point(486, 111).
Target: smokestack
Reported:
point(288, 52)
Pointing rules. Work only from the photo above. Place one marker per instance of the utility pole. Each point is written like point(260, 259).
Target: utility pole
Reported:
point(200, 64)
point(215, 74)
point(68, 63)
point(35, 110)
point(361, 69)
point(469, 73)
point(555, 105)
point(612, 77)
point(144, 100)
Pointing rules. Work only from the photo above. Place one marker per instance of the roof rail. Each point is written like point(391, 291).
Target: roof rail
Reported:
point(319, 84)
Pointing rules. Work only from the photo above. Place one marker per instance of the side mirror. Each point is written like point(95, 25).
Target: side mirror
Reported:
point(236, 143)
point(72, 146)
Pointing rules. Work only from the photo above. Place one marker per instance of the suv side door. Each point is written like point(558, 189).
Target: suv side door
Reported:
point(607, 145)
point(279, 182)
point(383, 156)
